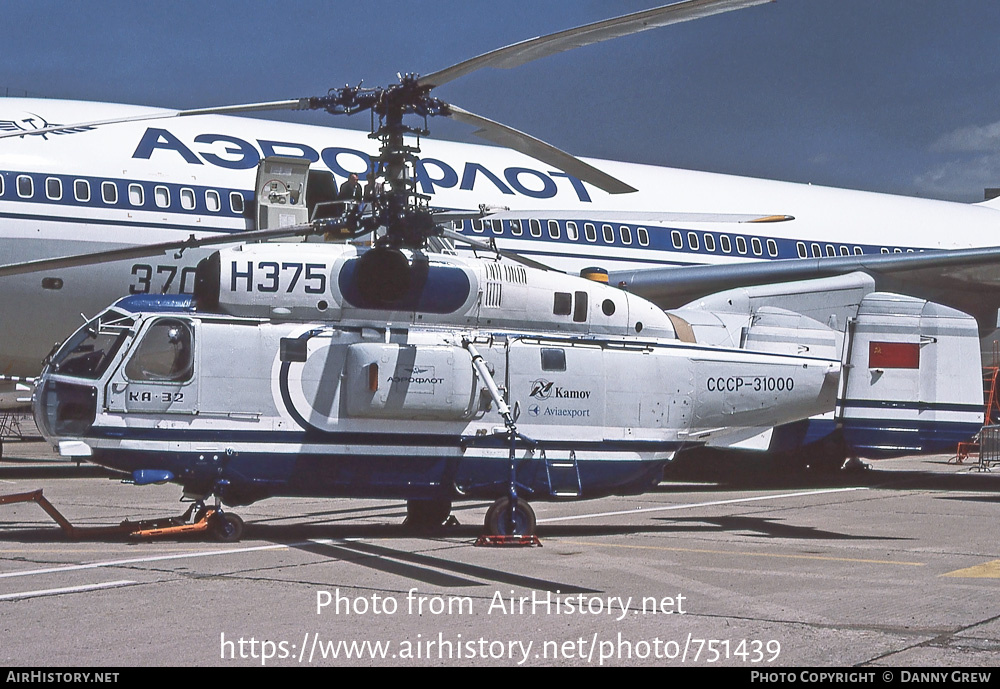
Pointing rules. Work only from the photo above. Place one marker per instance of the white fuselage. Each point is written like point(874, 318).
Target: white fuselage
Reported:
point(161, 180)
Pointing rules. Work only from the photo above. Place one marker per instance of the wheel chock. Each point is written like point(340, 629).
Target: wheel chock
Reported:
point(527, 541)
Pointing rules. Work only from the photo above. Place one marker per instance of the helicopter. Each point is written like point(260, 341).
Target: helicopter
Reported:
point(399, 370)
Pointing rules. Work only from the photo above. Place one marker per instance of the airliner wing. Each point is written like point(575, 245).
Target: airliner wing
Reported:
point(968, 279)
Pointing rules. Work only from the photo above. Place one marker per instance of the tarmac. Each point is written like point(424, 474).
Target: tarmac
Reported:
point(896, 566)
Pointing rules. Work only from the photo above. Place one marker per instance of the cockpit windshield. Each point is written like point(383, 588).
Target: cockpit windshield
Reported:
point(90, 350)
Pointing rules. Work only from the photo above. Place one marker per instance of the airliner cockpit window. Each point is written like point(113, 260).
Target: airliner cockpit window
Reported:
point(89, 351)
point(164, 354)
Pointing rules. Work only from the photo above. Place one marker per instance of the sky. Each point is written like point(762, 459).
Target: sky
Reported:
point(898, 96)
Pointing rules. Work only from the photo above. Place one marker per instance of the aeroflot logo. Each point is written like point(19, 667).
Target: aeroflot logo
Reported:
point(34, 122)
point(416, 376)
point(223, 150)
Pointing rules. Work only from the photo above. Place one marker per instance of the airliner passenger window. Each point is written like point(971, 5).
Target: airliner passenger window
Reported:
point(741, 245)
point(626, 234)
point(81, 190)
point(590, 231)
point(135, 194)
point(844, 251)
point(477, 225)
point(676, 239)
point(816, 251)
point(109, 192)
point(535, 228)
point(187, 199)
point(772, 248)
point(53, 188)
point(727, 245)
point(515, 228)
point(162, 197)
point(497, 226)
point(164, 354)
point(554, 229)
point(643, 235)
point(800, 249)
point(609, 234)
point(693, 241)
point(830, 251)
point(757, 248)
point(212, 201)
point(25, 187)
point(858, 251)
point(709, 242)
point(572, 233)
point(1, 184)
point(236, 202)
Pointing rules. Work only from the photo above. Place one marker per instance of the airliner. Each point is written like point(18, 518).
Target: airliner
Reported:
point(91, 189)
point(82, 178)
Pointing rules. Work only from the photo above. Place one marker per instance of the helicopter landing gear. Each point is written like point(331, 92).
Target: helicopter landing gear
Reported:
point(225, 527)
point(510, 517)
point(423, 515)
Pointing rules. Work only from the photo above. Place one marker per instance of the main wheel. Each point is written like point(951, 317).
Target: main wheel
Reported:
point(426, 514)
point(226, 527)
point(505, 518)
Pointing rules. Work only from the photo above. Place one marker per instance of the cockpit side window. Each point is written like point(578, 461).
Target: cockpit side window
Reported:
point(89, 351)
point(165, 353)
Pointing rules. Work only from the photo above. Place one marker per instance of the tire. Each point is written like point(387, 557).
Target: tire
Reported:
point(502, 521)
point(426, 514)
point(226, 527)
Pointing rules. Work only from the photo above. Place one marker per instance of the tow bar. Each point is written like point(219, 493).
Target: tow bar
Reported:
point(146, 528)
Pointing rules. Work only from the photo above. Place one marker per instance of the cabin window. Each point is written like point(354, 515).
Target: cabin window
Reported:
point(562, 304)
point(236, 202)
point(165, 353)
point(726, 244)
point(187, 199)
point(572, 233)
point(816, 251)
point(626, 234)
point(858, 251)
point(609, 234)
point(53, 188)
point(755, 245)
point(909, 251)
point(25, 187)
point(642, 234)
point(477, 225)
point(515, 228)
point(135, 194)
point(580, 309)
point(553, 359)
point(590, 232)
point(88, 353)
point(212, 201)
point(497, 226)
point(709, 242)
point(535, 228)
point(162, 197)
point(897, 251)
point(109, 192)
point(800, 249)
point(844, 251)
point(554, 229)
point(693, 241)
point(741, 245)
point(1, 185)
point(81, 190)
point(772, 248)
point(884, 250)
point(676, 239)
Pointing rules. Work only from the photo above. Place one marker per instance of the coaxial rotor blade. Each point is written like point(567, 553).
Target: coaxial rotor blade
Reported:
point(542, 46)
point(293, 104)
point(145, 250)
point(492, 248)
point(536, 148)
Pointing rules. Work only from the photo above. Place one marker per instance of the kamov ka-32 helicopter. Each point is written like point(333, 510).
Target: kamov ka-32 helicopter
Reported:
point(311, 369)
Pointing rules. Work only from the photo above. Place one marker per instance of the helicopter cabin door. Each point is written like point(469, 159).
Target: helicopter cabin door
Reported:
point(158, 374)
point(559, 387)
